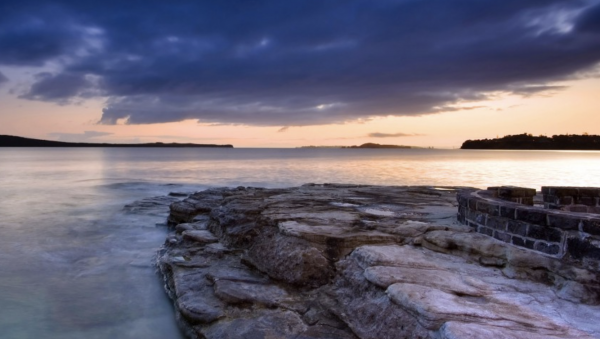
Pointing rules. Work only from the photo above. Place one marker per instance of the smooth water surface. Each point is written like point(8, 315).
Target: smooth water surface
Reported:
point(74, 263)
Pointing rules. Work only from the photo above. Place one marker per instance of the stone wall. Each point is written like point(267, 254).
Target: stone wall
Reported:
point(570, 236)
point(519, 195)
point(573, 199)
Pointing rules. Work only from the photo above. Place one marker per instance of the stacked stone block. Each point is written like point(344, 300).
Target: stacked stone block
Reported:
point(573, 199)
point(562, 234)
point(516, 194)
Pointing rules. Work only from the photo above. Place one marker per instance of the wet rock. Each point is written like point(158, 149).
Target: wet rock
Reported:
point(183, 227)
point(203, 237)
point(178, 194)
point(197, 225)
point(236, 292)
point(289, 259)
point(325, 332)
point(158, 206)
point(260, 324)
point(198, 309)
point(186, 210)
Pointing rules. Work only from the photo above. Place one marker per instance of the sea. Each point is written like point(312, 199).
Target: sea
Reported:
point(80, 227)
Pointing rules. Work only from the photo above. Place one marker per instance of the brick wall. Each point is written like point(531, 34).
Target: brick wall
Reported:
point(562, 234)
point(519, 195)
point(573, 199)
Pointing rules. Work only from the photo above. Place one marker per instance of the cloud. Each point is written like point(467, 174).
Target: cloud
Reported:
point(3, 78)
point(392, 135)
point(31, 34)
point(283, 129)
point(78, 137)
point(590, 21)
point(530, 90)
point(58, 87)
point(296, 62)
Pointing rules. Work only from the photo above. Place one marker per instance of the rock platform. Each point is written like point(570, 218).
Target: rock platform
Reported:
point(355, 261)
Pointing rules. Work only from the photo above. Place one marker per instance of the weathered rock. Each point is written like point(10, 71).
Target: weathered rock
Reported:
point(573, 283)
point(198, 309)
point(202, 237)
point(463, 292)
point(452, 282)
point(258, 324)
point(433, 307)
point(236, 292)
point(197, 225)
point(186, 210)
point(458, 330)
point(289, 259)
point(352, 261)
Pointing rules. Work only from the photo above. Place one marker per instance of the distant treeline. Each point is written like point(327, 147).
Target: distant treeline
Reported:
point(373, 145)
point(367, 145)
point(528, 141)
point(14, 141)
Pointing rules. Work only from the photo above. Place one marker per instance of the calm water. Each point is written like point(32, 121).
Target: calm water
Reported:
point(74, 263)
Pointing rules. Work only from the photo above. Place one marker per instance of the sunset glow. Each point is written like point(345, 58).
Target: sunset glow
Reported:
point(89, 81)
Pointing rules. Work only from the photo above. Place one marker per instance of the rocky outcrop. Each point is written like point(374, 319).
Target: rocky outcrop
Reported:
point(351, 261)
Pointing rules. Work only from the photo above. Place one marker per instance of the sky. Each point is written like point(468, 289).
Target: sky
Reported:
point(266, 73)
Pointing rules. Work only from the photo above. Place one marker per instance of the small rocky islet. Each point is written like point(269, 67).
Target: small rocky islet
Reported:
point(360, 261)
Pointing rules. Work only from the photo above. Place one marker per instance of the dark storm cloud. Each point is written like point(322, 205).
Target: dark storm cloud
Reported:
point(590, 21)
point(297, 62)
point(58, 87)
point(32, 33)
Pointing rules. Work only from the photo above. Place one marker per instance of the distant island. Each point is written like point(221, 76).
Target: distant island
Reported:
point(367, 145)
point(325, 146)
point(373, 145)
point(14, 141)
point(529, 142)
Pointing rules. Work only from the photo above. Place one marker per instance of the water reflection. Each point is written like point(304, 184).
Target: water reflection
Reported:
point(75, 264)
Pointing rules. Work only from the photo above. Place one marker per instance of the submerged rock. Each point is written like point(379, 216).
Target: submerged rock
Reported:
point(354, 261)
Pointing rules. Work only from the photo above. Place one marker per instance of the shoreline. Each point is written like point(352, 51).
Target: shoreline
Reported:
point(15, 141)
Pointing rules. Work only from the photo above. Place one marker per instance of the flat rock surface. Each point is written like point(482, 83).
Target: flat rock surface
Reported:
point(355, 261)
